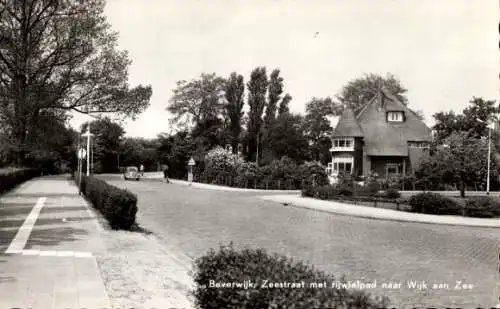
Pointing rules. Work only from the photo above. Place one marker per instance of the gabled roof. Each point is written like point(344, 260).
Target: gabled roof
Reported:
point(348, 126)
point(390, 139)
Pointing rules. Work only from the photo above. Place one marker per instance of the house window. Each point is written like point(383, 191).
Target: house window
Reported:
point(420, 145)
point(345, 143)
point(342, 164)
point(392, 169)
point(395, 116)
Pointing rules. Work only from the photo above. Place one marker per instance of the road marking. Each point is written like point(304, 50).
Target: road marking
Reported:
point(54, 253)
point(17, 244)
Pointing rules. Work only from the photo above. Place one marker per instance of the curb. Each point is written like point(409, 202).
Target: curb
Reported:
point(378, 213)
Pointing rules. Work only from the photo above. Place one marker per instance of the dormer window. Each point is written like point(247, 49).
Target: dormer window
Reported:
point(396, 116)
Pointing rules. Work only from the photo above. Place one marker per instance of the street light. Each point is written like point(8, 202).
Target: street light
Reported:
point(489, 156)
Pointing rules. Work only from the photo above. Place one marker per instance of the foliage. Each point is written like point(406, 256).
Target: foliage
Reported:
point(317, 128)
point(197, 100)
point(284, 105)
point(433, 203)
point(288, 139)
point(392, 193)
point(361, 90)
point(234, 89)
point(9, 178)
point(106, 141)
point(231, 265)
point(220, 160)
point(257, 88)
point(69, 61)
point(473, 119)
point(462, 161)
point(482, 207)
point(176, 150)
point(118, 206)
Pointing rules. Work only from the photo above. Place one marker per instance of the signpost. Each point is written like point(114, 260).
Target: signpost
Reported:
point(191, 163)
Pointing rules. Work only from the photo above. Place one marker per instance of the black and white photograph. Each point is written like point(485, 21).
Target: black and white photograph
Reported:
point(249, 154)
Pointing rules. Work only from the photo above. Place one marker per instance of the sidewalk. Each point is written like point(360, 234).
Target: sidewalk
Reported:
point(378, 213)
point(49, 240)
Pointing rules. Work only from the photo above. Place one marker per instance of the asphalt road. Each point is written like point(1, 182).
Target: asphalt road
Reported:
point(196, 220)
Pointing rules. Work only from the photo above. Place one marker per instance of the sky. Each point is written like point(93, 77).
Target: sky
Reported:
point(444, 52)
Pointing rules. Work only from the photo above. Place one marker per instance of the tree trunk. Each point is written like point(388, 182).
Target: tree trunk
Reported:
point(462, 188)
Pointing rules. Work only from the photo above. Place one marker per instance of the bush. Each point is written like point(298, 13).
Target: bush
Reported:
point(9, 178)
point(482, 207)
point(230, 266)
point(392, 193)
point(118, 206)
point(433, 203)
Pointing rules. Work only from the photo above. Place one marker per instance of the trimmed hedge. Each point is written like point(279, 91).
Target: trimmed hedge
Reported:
point(118, 206)
point(434, 204)
point(356, 194)
point(482, 207)
point(11, 178)
point(228, 266)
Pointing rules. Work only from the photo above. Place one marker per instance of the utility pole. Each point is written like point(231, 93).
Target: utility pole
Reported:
point(88, 142)
point(489, 161)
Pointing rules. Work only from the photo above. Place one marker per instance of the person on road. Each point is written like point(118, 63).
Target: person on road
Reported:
point(165, 174)
point(142, 170)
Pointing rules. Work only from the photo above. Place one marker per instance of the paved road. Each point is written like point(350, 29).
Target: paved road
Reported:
point(197, 220)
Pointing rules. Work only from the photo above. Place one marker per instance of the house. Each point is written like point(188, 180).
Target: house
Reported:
point(383, 136)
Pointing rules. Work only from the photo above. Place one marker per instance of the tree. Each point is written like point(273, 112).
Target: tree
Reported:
point(198, 100)
point(257, 88)
point(474, 119)
point(274, 92)
point(60, 55)
point(234, 90)
point(106, 142)
point(462, 160)
point(288, 139)
point(360, 91)
point(317, 128)
point(283, 108)
point(175, 150)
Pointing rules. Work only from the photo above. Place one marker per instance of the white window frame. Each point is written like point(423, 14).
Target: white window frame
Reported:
point(420, 145)
point(338, 161)
point(343, 144)
point(395, 116)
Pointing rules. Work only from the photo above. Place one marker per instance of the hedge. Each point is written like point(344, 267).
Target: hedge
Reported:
point(11, 178)
point(231, 267)
point(356, 193)
point(118, 206)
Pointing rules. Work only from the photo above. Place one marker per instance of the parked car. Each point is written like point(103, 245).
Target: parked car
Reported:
point(131, 172)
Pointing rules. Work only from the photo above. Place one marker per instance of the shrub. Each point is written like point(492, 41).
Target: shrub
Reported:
point(9, 178)
point(392, 193)
point(230, 266)
point(118, 206)
point(482, 207)
point(433, 203)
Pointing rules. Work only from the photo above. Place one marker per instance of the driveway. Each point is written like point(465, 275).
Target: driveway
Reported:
point(196, 220)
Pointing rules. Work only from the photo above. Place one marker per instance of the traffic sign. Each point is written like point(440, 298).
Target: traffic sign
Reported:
point(191, 162)
point(82, 153)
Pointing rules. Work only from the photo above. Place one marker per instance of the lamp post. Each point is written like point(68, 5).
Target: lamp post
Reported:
point(489, 155)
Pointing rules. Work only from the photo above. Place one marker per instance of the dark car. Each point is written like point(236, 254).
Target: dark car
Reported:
point(131, 172)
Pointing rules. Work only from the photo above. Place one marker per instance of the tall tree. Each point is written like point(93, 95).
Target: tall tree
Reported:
point(197, 100)
point(284, 108)
point(318, 129)
point(360, 91)
point(274, 94)
point(257, 88)
point(473, 119)
point(288, 139)
point(106, 142)
point(60, 55)
point(234, 90)
point(462, 161)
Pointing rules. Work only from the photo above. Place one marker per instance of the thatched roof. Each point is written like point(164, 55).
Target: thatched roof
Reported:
point(348, 125)
point(381, 137)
